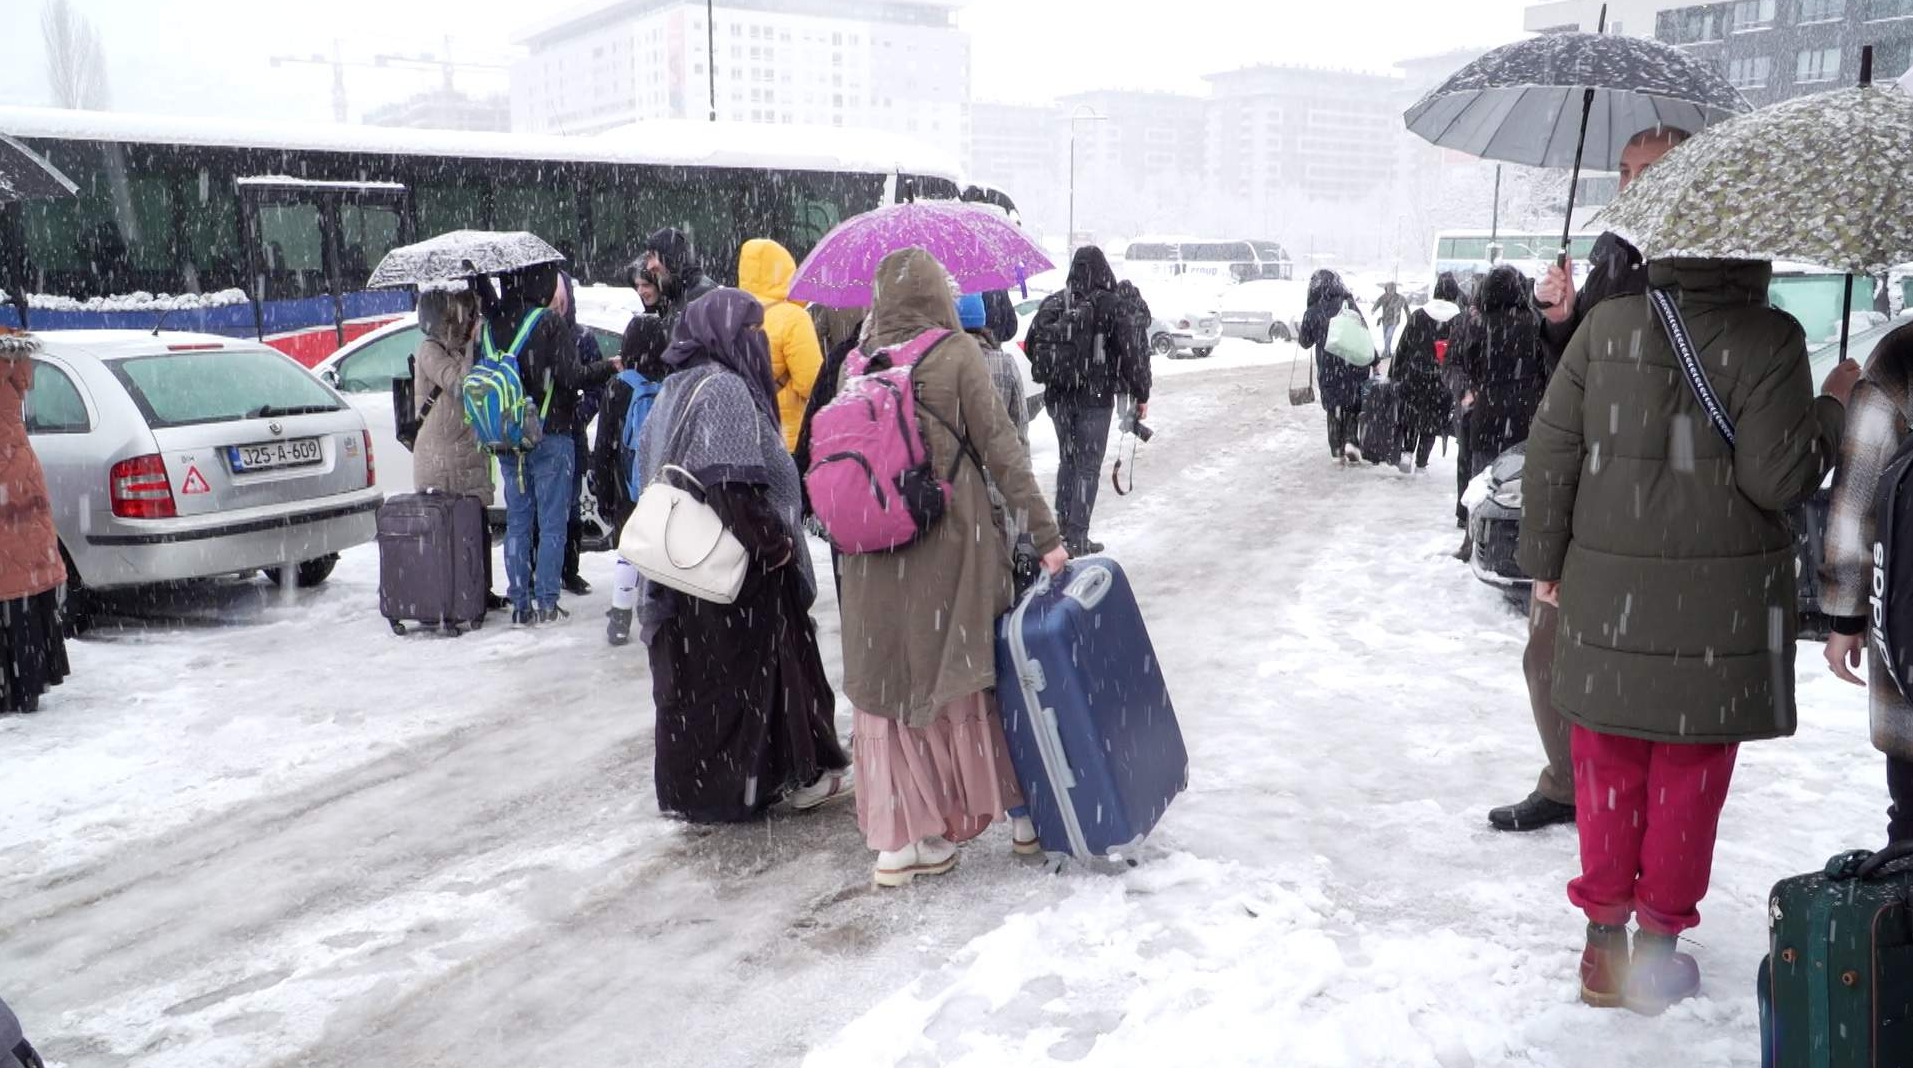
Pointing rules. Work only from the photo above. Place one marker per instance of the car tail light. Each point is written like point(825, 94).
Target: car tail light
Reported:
point(1183, 324)
point(140, 489)
point(371, 471)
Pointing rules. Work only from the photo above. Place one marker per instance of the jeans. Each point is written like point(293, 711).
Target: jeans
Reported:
point(536, 487)
point(1082, 436)
point(1388, 338)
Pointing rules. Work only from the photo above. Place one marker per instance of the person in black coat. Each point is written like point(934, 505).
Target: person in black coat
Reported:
point(1419, 356)
point(671, 261)
point(1342, 382)
point(1506, 366)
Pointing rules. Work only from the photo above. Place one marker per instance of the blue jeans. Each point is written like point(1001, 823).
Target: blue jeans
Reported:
point(536, 487)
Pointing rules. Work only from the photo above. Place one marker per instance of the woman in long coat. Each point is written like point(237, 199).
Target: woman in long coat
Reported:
point(745, 715)
point(446, 456)
point(1342, 382)
point(920, 623)
point(32, 644)
point(1501, 354)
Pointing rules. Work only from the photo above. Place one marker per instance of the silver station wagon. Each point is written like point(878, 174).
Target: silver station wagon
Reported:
point(175, 456)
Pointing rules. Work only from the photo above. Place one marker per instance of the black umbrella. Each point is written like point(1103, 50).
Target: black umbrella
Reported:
point(25, 174)
point(1564, 100)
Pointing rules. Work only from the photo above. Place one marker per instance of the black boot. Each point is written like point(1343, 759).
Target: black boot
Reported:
point(1535, 812)
point(573, 582)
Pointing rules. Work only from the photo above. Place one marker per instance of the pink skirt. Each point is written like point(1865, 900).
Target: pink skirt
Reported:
point(950, 780)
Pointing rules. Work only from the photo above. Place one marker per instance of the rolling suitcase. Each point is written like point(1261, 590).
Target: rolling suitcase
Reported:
point(1838, 976)
point(1091, 731)
point(1380, 430)
point(432, 553)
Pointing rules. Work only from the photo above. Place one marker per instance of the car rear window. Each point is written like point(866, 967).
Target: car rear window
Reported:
point(194, 388)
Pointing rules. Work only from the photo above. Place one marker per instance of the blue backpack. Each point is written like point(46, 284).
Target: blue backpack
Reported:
point(496, 407)
point(644, 396)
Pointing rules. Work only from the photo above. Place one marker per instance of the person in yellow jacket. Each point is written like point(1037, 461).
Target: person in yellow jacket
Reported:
point(765, 270)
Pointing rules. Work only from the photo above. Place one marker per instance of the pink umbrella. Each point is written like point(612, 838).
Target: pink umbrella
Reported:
point(981, 249)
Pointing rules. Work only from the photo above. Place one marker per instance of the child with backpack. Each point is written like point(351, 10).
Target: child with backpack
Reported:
point(614, 470)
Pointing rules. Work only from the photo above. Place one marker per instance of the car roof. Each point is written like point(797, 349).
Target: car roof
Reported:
point(605, 319)
point(134, 343)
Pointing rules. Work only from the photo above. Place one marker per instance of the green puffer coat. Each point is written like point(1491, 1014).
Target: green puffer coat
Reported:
point(1675, 560)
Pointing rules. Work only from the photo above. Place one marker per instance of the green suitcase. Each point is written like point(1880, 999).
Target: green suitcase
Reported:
point(1839, 979)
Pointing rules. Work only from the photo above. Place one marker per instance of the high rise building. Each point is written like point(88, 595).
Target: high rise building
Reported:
point(892, 65)
point(445, 110)
point(1021, 149)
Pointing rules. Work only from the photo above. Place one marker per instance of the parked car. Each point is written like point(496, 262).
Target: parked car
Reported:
point(175, 456)
point(1264, 310)
point(1495, 526)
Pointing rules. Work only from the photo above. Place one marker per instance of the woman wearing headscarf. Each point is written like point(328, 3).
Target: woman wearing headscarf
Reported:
point(744, 711)
point(1342, 381)
point(920, 622)
point(446, 456)
point(32, 641)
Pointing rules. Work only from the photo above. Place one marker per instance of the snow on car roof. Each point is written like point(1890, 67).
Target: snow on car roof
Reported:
point(125, 343)
point(796, 147)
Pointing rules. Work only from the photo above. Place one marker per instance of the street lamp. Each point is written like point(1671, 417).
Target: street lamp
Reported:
point(1082, 112)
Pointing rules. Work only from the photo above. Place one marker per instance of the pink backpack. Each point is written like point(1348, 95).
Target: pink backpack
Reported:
point(872, 483)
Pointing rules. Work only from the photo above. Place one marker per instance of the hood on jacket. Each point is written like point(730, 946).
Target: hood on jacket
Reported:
point(678, 256)
point(1324, 285)
point(726, 327)
point(1447, 288)
point(1713, 282)
point(765, 269)
point(1891, 364)
point(1089, 271)
point(1504, 288)
point(912, 296)
point(1441, 310)
point(645, 341)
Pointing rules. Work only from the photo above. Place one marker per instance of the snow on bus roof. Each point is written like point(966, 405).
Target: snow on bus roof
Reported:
point(795, 147)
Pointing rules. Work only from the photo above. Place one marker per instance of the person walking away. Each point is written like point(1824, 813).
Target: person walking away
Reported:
point(32, 570)
point(1341, 382)
point(920, 622)
point(1085, 352)
point(447, 456)
point(1426, 405)
point(1645, 586)
point(765, 269)
point(1878, 419)
point(1393, 307)
point(744, 710)
point(670, 261)
point(538, 480)
point(1615, 269)
point(629, 400)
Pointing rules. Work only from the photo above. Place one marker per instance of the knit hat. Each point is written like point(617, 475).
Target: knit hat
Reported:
point(971, 313)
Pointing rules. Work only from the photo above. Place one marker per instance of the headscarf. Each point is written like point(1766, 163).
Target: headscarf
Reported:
point(912, 296)
point(726, 327)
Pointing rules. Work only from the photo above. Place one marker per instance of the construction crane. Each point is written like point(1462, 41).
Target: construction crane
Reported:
point(385, 61)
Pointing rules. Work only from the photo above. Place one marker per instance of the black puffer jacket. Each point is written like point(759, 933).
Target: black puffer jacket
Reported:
point(688, 282)
point(1341, 382)
point(1118, 364)
point(548, 364)
point(1614, 268)
point(1501, 354)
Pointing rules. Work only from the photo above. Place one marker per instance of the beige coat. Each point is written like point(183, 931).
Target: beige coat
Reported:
point(447, 456)
point(920, 624)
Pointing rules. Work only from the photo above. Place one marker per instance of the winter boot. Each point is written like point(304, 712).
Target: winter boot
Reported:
point(927, 857)
point(617, 629)
point(1661, 978)
point(828, 789)
point(1535, 812)
point(1604, 967)
point(552, 615)
point(1467, 551)
point(574, 584)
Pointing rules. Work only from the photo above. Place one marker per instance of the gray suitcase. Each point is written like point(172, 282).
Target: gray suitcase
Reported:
point(432, 553)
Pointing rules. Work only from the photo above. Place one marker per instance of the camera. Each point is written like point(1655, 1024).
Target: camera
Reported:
point(1133, 424)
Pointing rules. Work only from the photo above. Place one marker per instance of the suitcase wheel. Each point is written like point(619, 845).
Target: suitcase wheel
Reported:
point(451, 628)
point(397, 628)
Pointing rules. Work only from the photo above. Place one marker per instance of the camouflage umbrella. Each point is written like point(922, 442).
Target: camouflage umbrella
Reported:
point(1826, 179)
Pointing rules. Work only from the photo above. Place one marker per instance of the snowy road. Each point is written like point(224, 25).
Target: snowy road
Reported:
point(267, 831)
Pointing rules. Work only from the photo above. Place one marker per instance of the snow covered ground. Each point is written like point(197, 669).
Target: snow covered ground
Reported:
point(260, 829)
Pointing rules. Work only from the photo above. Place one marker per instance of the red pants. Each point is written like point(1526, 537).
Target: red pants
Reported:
point(1648, 814)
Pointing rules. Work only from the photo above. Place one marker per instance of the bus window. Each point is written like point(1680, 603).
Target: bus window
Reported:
point(292, 252)
point(615, 233)
point(544, 203)
point(1151, 252)
point(367, 232)
point(447, 207)
point(212, 257)
point(1467, 248)
point(1582, 247)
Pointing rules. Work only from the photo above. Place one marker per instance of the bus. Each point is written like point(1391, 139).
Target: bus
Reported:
point(271, 231)
point(1470, 254)
point(1234, 260)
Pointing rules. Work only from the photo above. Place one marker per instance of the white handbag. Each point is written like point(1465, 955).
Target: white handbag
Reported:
point(675, 539)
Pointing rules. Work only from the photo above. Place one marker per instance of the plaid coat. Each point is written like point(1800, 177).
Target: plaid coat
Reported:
point(1876, 424)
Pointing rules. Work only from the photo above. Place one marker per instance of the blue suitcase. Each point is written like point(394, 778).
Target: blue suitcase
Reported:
point(1091, 731)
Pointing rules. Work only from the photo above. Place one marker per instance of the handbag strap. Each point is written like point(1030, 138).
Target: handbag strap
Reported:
point(1689, 359)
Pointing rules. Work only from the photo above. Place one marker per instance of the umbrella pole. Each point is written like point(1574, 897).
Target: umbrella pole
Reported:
point(1846, 318)
point(1580, 149)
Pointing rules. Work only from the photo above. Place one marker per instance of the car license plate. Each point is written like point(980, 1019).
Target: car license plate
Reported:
point(271, 455)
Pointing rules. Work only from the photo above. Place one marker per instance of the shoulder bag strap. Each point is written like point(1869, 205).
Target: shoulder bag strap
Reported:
point(1689, 359)
point(965, 448)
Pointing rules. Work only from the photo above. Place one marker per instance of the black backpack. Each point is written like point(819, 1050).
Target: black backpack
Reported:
point(1132, 320)
point(406, 415)
point(1892, 577)
point(1062, 343)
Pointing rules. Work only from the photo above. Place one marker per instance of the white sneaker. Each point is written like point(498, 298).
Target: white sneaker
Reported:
point(1353, 454)
point(829, 788)
point(930, 856)
point(1023, 837)
point(1407, 465)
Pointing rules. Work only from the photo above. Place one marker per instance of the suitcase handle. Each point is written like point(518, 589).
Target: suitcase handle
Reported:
point(1866, 867)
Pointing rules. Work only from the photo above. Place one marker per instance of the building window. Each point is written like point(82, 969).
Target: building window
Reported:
point(1881, 10)
point(1753, 15)
point(1817, 65)
point(1750, 72)
point(1812, 11)
point(1688, 26)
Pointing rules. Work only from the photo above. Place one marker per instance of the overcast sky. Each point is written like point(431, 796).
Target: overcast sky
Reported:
point(212, 56)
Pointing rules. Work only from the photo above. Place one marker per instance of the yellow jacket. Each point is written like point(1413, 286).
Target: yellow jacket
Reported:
point(765, 270)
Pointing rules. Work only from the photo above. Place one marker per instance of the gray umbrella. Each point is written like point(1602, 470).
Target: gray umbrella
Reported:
point(461, 254)
point(25, 174)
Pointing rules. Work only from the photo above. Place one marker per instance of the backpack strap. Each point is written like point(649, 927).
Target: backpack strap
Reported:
point(1689, 360)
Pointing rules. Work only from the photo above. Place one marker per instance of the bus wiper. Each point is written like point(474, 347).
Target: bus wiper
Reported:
point(270, 411)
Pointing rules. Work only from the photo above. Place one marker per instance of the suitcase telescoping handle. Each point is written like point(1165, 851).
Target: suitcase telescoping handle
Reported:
point(1867, 866)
